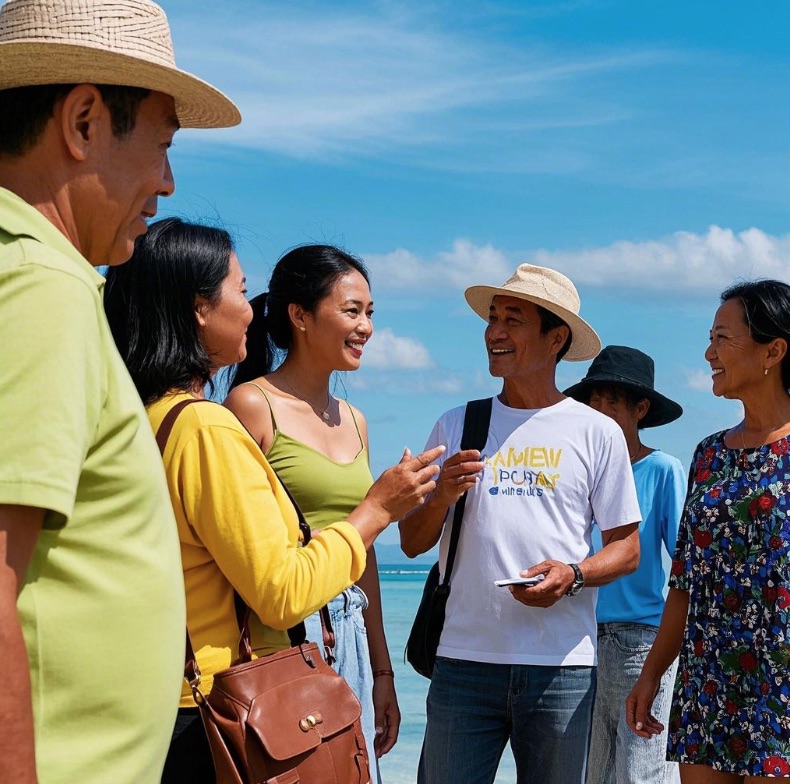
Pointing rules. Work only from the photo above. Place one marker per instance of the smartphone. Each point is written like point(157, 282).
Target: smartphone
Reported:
point(521, 580)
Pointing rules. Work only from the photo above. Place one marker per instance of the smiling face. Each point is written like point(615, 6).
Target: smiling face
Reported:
point(222, 324)
point(516, 346)
point(129, 175)
point(342, 322)
point(736, 359)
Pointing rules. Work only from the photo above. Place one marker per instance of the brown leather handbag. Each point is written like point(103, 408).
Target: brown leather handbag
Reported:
point(282, 719)
point(287, 718)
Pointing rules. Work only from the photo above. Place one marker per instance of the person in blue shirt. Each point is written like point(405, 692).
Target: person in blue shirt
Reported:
point(620, 384)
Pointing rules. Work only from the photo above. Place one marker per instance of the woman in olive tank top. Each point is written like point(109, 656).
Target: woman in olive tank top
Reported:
point(316, 318)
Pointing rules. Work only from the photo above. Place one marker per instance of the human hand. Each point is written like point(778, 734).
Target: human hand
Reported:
point(387, 713)
point(405, 486)
point(459, 473)
point(638, 704)
point(558, 579)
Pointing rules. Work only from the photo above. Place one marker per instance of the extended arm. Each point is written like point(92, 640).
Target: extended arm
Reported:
point(19, 529)
point(385, 701)
point(421, 530)
point(618, 556)
point(665, 650)
point(233, 501)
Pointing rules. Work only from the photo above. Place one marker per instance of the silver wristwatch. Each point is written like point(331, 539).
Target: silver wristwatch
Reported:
point(578, 581)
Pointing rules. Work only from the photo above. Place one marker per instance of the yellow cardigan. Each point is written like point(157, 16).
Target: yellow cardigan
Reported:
point(238, 529)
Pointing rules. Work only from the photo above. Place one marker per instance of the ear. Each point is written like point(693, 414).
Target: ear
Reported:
point(297, 315)
point(776, 351)
point(561, 334)
point(642, 407)
point(201, 309)
point(82, 118)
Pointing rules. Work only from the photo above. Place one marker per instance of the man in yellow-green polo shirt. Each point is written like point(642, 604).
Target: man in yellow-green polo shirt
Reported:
point(91, 593)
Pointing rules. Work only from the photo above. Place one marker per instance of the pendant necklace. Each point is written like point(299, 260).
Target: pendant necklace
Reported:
point(322, 412)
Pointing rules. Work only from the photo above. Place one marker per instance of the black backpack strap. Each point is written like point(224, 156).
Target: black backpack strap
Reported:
point(477, 418)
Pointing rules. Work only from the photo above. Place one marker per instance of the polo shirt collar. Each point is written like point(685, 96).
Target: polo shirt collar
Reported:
point(19, 218)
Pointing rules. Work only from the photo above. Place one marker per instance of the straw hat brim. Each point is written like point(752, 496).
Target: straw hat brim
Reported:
point(198, 104)
point(585, 343)
point(662, 410)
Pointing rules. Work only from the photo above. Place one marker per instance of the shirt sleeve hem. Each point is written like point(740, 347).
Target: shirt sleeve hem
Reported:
point(39, 495)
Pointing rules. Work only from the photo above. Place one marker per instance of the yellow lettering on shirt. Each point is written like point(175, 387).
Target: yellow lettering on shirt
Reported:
point(529, 457)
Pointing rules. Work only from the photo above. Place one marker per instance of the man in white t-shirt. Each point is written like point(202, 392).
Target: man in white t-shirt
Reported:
point(518, 664)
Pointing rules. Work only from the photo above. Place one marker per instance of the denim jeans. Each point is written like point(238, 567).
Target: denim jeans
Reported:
point(475, 708)
point(617, 755)
point(352, 657)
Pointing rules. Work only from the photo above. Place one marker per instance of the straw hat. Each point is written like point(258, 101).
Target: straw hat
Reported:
point(552, 291)
point(631, 369)
point(120, 42)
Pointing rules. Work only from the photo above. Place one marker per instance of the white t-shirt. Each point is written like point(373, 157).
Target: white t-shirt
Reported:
point(548, 472)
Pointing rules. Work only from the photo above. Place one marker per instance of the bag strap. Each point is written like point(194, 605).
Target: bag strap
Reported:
point(166, 427)
point(296, 634)
point(191, 669)
point(477, 418)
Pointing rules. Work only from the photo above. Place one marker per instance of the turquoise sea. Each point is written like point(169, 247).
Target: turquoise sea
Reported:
point(401, 589)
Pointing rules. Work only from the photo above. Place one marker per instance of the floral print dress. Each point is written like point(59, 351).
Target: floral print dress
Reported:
point(731, 704)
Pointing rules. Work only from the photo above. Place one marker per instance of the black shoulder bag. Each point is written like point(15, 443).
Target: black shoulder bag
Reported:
point(429, 620)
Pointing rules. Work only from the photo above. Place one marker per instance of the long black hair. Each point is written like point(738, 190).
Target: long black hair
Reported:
point(303, 276)
point(766, 307)
point(150, 304)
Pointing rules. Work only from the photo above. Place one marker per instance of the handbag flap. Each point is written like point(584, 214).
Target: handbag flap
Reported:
point(296, 716)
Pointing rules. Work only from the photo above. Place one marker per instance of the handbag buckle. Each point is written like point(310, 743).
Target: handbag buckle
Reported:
point(309, 722)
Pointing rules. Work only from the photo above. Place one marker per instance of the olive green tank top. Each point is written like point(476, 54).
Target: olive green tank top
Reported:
point(325, 490)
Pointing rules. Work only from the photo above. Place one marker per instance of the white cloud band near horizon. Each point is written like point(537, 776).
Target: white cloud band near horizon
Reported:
point(684, 262)
point(387, 351)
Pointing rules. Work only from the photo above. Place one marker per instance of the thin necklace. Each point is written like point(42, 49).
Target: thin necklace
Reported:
point(742, 430)
point(322, 412)
point(636, 454)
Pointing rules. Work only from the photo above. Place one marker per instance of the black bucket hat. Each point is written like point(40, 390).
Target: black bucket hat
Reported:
point(634, 370)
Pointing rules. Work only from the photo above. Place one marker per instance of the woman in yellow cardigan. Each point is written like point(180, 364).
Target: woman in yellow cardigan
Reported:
point(178, 313)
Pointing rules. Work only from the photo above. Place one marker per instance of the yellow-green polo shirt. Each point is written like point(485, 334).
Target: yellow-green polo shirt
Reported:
point(102, 606)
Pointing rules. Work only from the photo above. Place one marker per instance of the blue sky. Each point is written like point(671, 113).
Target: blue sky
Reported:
point(638, 147)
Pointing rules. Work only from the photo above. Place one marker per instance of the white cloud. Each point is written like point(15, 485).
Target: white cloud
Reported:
point(387, 351)
point(698, 380)
point(454, 269)
point(684, 262)
point(434, 381)
point(330, 80)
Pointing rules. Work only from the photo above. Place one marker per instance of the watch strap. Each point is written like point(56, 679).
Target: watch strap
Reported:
point(578, 580)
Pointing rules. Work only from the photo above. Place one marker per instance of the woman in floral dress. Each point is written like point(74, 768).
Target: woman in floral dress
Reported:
point(728, 608)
